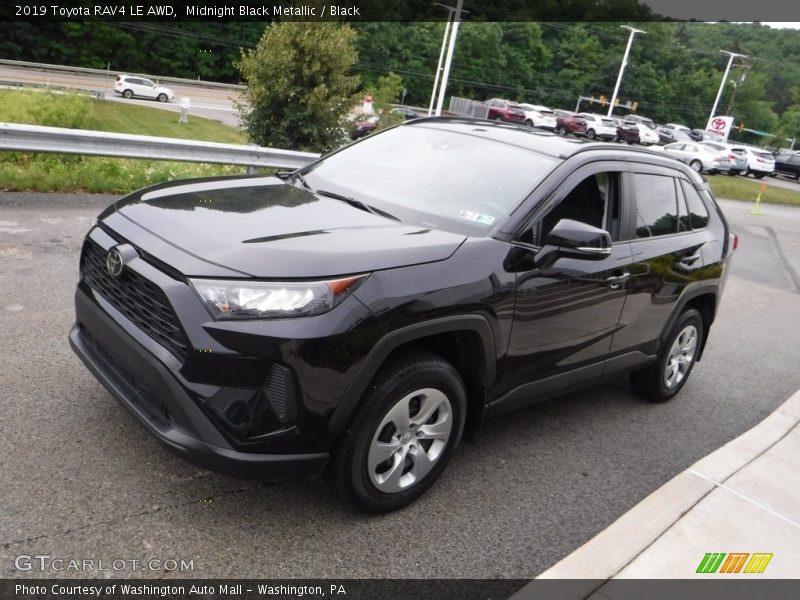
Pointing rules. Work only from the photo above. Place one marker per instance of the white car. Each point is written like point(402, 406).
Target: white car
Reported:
point(759, 162)
point(540, 117)
point(130, 86)
point(599, 126)
point(647, 136)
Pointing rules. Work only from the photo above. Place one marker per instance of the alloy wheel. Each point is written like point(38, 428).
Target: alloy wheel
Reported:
point(681, 356)
point(410, 440)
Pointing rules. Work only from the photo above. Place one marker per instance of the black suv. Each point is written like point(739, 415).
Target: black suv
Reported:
point(368, 311)
point(787, 162)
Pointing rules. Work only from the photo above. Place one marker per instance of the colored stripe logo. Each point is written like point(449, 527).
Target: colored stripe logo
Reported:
point(734, 562)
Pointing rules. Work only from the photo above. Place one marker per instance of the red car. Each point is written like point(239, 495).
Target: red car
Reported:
point(628, 131)
point(503, 110)
point(569, 122)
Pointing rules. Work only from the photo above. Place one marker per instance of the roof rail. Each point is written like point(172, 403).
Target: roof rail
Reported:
point(462, 119)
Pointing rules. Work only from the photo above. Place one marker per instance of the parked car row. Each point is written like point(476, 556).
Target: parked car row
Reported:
point(699, 149)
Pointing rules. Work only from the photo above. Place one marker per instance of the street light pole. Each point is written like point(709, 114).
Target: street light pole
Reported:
point(449, 60)
point(731, 55)
point(623, 65)
point(441, 55)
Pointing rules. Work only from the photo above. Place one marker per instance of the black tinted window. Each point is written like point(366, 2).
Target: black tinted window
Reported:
point(656, 205)
point(698, 214)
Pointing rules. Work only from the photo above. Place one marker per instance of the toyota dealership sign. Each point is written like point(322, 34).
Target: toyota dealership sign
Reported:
point(720, 127)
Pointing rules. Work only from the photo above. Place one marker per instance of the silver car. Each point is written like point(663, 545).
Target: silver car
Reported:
point(700, 156)
point(737, 155)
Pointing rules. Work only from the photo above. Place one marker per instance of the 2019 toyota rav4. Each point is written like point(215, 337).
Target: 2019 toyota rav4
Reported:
point(366, 312)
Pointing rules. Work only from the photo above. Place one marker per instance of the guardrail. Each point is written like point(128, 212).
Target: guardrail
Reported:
point(107, 72)
point(35, 138)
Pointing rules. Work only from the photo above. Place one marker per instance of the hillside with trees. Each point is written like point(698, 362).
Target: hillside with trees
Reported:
point(674, 69)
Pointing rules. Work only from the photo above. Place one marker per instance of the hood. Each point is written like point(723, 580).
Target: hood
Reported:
point(267, 228)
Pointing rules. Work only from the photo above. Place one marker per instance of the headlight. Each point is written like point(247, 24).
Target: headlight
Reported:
point(273, 299)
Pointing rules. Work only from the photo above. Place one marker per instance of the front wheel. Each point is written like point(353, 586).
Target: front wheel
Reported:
point(127, 94)
point(561, 130)
point(590, 134)
point(529, 123)
point(403, 435)
point(162, 97)
point(759, 175)
point(663, 379)
point(696, 165)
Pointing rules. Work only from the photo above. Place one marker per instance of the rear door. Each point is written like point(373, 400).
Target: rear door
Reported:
point(666, 227)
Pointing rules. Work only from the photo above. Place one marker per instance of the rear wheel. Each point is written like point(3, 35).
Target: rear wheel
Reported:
point(696, 165)
point(403, 435)
point(561, 130)
point(529, 123)
point(663, 379)
point(498, 118)
point(590, 134)
point(759, 175)
point(733, 172)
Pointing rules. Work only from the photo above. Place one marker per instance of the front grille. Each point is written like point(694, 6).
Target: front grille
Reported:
point(139, 299)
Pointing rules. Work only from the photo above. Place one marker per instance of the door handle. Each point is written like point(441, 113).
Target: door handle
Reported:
point(615, 281)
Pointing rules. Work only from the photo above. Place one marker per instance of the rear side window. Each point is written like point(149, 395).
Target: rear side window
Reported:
point(656, 205)
point(698, 214)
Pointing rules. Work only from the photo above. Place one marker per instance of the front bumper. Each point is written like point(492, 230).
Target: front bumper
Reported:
point(162, 405)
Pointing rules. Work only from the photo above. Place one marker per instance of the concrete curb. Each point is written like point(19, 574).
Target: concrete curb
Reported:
point(609, 552)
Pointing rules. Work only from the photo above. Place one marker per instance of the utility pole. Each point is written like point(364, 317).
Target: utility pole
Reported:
point(449, 59)
point(736, 85)
point(623, 65)
point(731, 55)
point(441, 55)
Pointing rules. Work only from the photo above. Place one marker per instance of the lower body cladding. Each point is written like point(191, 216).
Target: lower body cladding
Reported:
point(191, 419)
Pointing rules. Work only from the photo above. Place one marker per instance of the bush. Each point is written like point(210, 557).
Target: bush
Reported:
point(69, 110)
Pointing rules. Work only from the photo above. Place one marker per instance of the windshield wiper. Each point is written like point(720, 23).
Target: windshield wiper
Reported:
point(353, 202)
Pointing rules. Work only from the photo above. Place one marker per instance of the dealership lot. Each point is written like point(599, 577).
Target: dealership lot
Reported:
point(81, 480)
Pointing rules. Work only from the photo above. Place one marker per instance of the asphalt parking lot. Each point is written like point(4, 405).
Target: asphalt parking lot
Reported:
point(81, 480)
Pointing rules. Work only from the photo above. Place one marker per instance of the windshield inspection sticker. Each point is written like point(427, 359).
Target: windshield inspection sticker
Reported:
point(477, 217)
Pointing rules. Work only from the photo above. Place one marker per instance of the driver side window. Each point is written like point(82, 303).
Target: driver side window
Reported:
point(594, 201)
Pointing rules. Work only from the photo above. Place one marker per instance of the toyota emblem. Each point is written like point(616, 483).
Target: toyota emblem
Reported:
point(114, 263)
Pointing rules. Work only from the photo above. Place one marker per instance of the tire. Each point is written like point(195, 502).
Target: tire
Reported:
point(498, 118)
point(697, 166)
point(529, 123)
point(561, 130)
point(590, 134)
point(747, 172)
point(127, 94)
point(733, 172)
point(162, 98)
point(664, 378)
point(759, 175)
point(797, 176)
point(413, 383)
point(615, 138)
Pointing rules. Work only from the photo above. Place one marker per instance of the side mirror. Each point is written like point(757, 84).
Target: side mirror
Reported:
point(573, 239)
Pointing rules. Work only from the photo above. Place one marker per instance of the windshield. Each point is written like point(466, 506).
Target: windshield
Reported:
point(456, 181)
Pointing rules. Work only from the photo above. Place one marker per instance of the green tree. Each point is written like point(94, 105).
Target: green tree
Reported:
point(299, 86)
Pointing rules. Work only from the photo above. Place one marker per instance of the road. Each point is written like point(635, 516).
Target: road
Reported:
point(206, 101)
point(80, 479)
